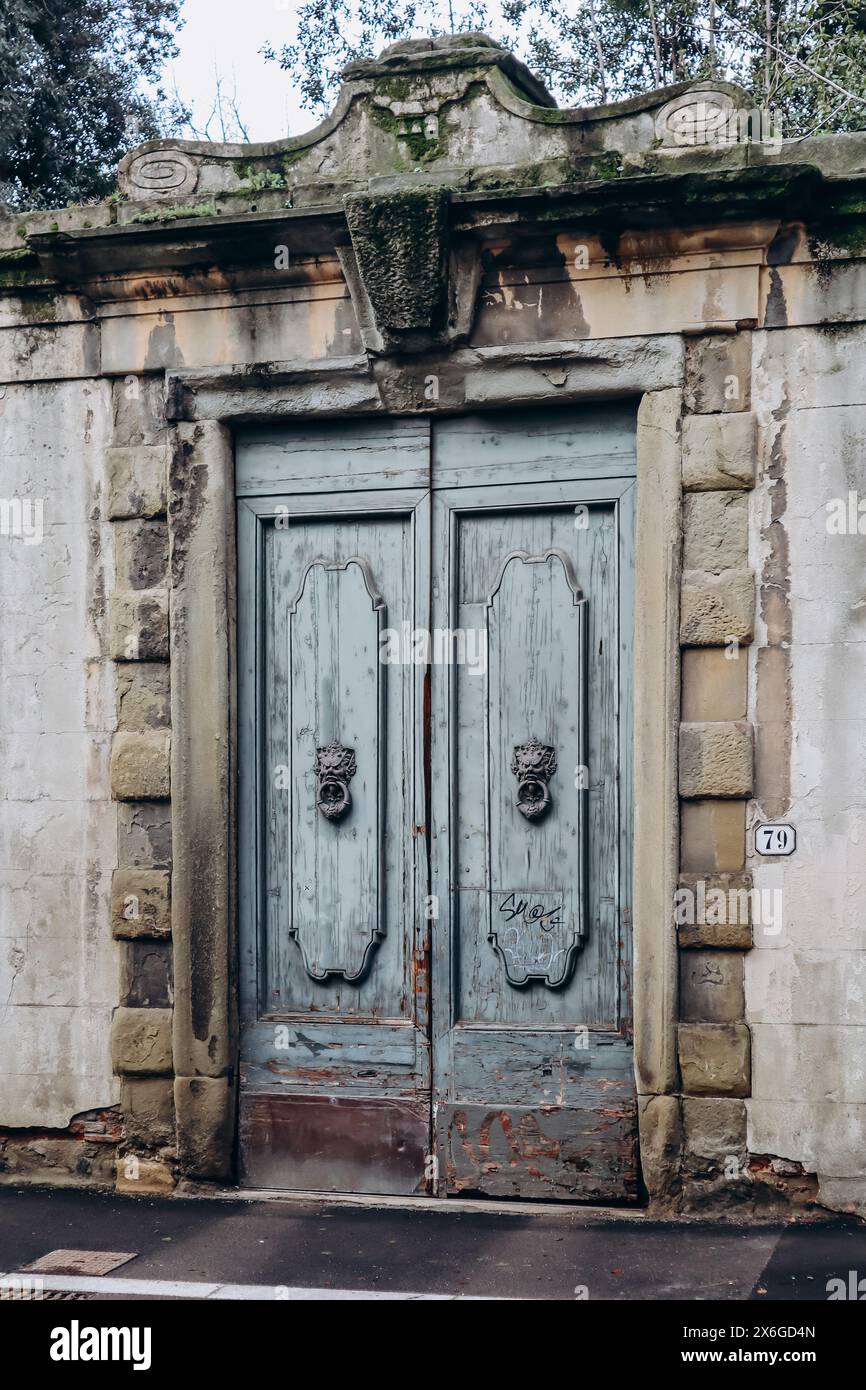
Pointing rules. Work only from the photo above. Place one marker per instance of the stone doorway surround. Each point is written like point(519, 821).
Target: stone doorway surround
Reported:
point(201, 499)
point(698, 610)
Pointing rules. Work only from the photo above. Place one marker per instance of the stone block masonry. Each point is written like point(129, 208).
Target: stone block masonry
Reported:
point(142, 1050)
point(716, 768)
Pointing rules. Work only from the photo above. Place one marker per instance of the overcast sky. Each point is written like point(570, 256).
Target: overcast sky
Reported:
point(224, 36)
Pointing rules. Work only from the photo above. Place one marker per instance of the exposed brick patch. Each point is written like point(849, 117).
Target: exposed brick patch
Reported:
point(81, 1155)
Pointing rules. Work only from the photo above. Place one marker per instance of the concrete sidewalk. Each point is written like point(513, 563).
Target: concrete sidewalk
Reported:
point(277, 1247)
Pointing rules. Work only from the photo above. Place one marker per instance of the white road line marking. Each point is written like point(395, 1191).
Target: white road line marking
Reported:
point(269, 1293)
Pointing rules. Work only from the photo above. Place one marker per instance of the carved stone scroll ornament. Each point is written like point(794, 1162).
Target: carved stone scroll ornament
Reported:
point(705, 114)
point(533, 764)
point(162, 172)
point(335, 767)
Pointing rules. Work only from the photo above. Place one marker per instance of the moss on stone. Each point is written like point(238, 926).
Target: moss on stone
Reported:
point(174, 214)
point(395, 88)
point(400, 242)
point(12, 278)
point(420, 148)
point(256, 175)
point(18, 268)
point(37, 311)
point(290, 157)
point(384, 117)
point(549, 173)
point(832, 242)
point(607, 166)
point(423, 150)
point(850, 202)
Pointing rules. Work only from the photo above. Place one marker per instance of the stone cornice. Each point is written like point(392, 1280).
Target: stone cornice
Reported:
point(433, 151)
point(234, 239)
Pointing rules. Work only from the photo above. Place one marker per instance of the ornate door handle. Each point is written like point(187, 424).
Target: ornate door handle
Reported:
point(335, 767)
point(533, 764)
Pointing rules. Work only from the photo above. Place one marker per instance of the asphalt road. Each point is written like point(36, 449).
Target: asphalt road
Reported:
point(467, 1252)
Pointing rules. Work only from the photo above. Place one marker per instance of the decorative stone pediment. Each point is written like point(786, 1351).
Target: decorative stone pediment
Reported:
point(458, 110)
point(429, 123)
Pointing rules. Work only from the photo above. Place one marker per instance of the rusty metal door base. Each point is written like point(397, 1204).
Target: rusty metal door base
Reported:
point(326, 1141)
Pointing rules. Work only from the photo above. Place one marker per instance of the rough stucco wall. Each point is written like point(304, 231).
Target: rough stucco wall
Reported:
point(806, 983)
point(58, 964)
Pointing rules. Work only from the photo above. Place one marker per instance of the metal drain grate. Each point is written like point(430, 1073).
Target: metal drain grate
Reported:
point(79, 1262)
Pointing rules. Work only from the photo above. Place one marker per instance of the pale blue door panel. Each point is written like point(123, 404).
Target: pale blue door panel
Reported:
point(332, 871)
point(531, 821)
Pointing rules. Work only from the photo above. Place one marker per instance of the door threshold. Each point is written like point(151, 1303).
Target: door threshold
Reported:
point(365, 1200)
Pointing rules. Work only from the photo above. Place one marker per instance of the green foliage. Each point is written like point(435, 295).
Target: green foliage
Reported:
point(177, 213)
point(805, 59)
point(255, 180)
point(71, 102)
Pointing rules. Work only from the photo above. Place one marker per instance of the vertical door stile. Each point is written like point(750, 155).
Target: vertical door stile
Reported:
point(249, 760)
point(625, 752)
point(423, 925)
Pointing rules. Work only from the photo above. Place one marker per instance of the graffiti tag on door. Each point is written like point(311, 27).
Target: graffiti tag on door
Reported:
point(533, 936)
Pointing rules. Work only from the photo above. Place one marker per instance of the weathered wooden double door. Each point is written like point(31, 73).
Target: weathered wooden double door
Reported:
point(434, 641)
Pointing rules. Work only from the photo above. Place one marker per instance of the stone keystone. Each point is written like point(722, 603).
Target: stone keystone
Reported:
point(412, 291)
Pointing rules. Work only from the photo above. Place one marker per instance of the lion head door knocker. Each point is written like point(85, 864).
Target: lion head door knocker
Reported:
point(533, 764)
point(335, 767)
